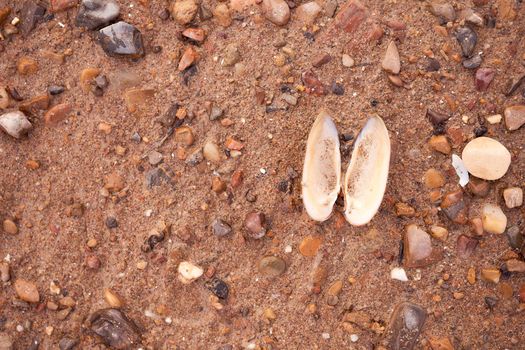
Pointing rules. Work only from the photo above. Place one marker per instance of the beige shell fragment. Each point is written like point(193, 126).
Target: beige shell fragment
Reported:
point(322, 168)
point(367, 174)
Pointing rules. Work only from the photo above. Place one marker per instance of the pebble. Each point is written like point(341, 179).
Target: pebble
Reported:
point(122, 39)
point(433, 179)
point(513, 197)
point(93, 262)
point(443, 9)
point(494, 220)
point(195, 158)
point(308, 12)
point(398, 273)
point(184, 11)
point(230, 55)
point(391, 62)
point(439, 232)
point(254, 223)
point(57, 114)
point(184, 135)
point(494, 119)
point(27, 66)
point(490, 275)
point(94, 14)
point(5, 275)
point(15, 124)
point(67, 344)
point(467, 39)
point(217, 185)
point(155, 158)
point(515, 237)
point(87, 76)
point(271, 266)
point(473, 62)
point(32, 12)
point(440, 144)
point(484, 77)
point(56, 90)
point(61, 5)
point(514, 117)
point(35, 104)
point(116, 330)
point(211, 152)
point(347, 61)
point(189, 272)
point(290, 99)
point(465, 246)
point(309, 246)
point(486, 158)
point(222, 14)
point(195, 34)
point(437, 118)
point(406, 323)
point(4, 98)
point(218, 287)
point(26, 291)
point(515, 265)
point(337, 89)
point(276, 11)
point(418, 247)
point(351, 15)
point(188, 58)
point(113, 299)
point(479, 187)
point(9, 226)
point(220, 228)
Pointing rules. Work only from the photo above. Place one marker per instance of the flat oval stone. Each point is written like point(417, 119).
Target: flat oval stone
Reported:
point(486, 158)
point(272, 266)
point(514, 117)
point(94, 14)
point(121, 38)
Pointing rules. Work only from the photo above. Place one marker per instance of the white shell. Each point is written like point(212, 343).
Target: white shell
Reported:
point(367, 174)
point(322, 168)
point(15, 124)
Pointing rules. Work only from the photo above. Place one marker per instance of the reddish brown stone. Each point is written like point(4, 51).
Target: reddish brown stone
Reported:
point(321, 60)
point(188, 58)
point(57, 113)
point(236, 179)
point(454, 207)
point(195, 34)
point(313, 85)
point(38, 103)
point(478, 187)
point(351, 15)
point(376, 32)
point(60, 5)
point(465, 246)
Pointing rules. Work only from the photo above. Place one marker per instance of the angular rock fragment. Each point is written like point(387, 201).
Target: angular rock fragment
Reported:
point(467, 39)
point(15, 124)
point(405, 325)
point(494, 220)
point(465, 246)
point(484, 77)
point(444, 10)
point(95, 14)
point(351, 16)
point(31, 14)
point(121, 39)
point(115, 329)
point(418, 247)
point(391, 62)
point(514, 117)
point(453, 205)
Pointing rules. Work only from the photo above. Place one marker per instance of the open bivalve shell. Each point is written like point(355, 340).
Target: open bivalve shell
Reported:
point(322, 168)
point(367, 174)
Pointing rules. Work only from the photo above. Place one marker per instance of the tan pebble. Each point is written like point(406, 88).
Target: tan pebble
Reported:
point(490, 275)
point(27, 291)
point(335, 288)
point(309, 246)
point(269, 314)
point(514, 265)
point(53, 288)
point(112, 298)
point(184, 135)
point(458, 295)
point(120, 151)
point(217, 185)
point(433, 179)
point(142, 264)
point(10, 227)
point(494, 220)
point(403, 209)
point(32, 164)
point(486, 158)
point(87, 77)
point(67, 301)
point(222, 14)
point(27, 65)
point(52, 306)
point(391, 62)
point(57, 113)
point(471, 275)
point(513, 197)
point(35, 104)
point(183, 11)
point(439, 232)
point(114, 182)
point(92, 243)
point(105, 128)
point(440, 144)
point(211, 152)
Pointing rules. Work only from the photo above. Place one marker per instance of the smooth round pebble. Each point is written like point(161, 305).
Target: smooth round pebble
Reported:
point(272, 266)
point(486, 158)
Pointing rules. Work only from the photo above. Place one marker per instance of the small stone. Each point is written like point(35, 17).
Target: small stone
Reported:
point(93, 262)
point(337, 89)
point(184, 135)
point(136, 97)
point(61, 5)
point(515, 237)
point(465, 246)
point(494, 220)
point(255, 223)
point(418, 247)
point(403, 209)
point(155, 157)
point(67, 344)
point(443, 10)
point(111, 222)
point(57, 114)
point(473, 62)
point(67, 301)
point(56, 90)
point(347, 61)
point(236, 179)
point(290, 99)
point(514, 117)
point(440, 144)
point(514, 265)
point(211, 152)
point(26, 291)
point(217, 185)
point(114, 183)
point(27, 66)
point(439, 232)
point(220, 228)
point(437, 118)
point(513, 197)
point(471, 276)
point(31, 14)
point(472, 17)
point(433, 179)
point(195, 158)
point(189, 272)
point(15, 124)
point(406, 323)
point(271, 266)
point(321, 60)
point(309, 246)
point(195, 34)
point(494, 119)
point(398, 273)
point(5, 275)
point(35, 104)
point(467, 39)
point(87, 77)
point(188, 58)
point(230, 55)
point(484, 77)
point(184, 11)
point(490, 275)
point(222, 14)
point(351, 15)
point(121, 39)
point(486, 158)
point(269, 314)
point(479, 187)
point(391, 62)
point(114, 328)
point(276, 11)
point(233, 144)
point(95, 14)
point(308, 12)
point(218, 287)
point(113, 299)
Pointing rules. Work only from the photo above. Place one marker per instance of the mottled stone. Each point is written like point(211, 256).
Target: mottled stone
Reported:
point(404, 327)
point(484, 77)
point(94, 14)
point(514, 117)
point(121, 39)
point(351, 16)
point(276, 11)
point(271, 266)
point(467, 39)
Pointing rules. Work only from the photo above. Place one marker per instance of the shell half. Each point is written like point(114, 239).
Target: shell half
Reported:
point(367, 174)
point(322, 168)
